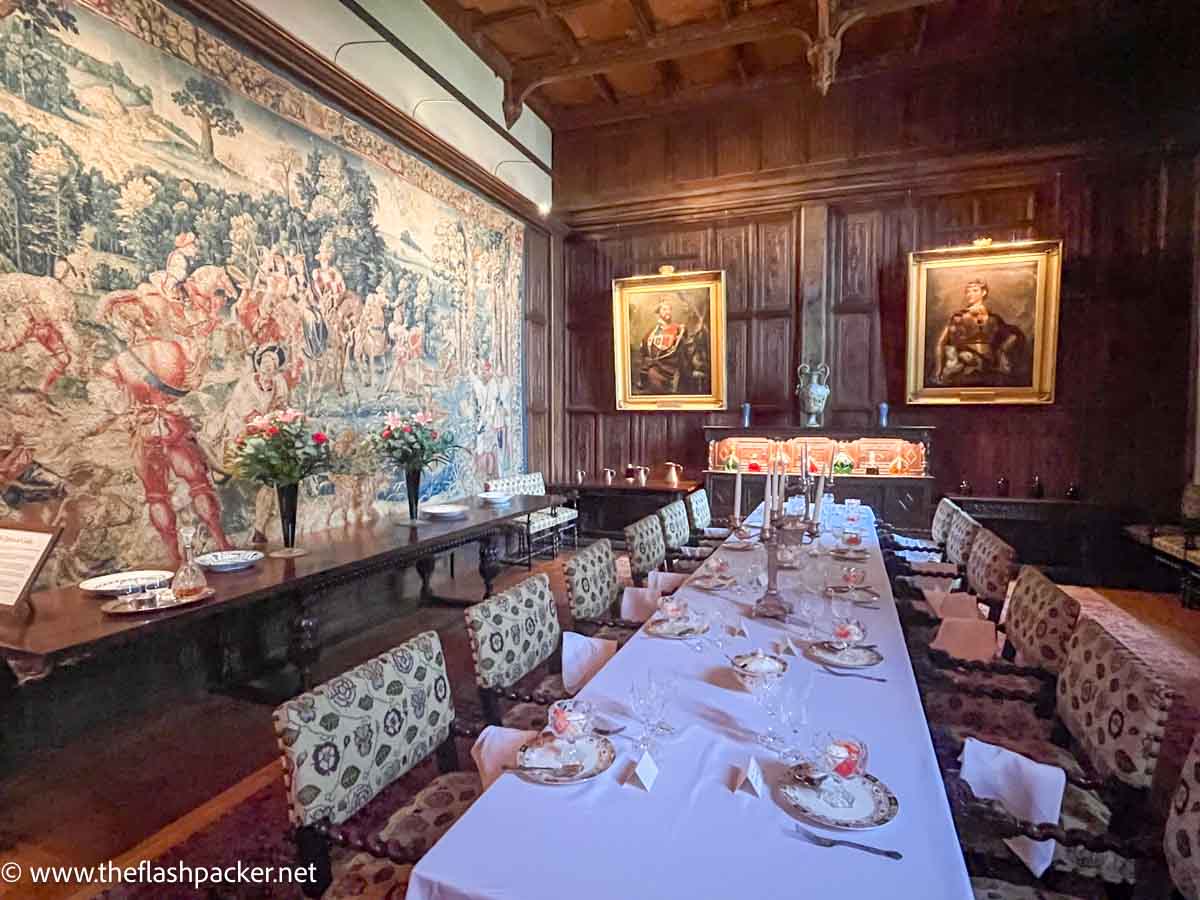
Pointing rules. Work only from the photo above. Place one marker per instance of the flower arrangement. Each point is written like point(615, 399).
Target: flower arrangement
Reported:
point(412, 443)
point(280, 448)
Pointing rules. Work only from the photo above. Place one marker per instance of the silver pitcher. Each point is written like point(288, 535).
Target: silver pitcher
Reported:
point(609, 475)
point(580, 476)
point(674, 470)
point(813, 391)
point(643, 474)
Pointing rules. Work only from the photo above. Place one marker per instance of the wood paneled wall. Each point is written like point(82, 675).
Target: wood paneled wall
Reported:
point(812, 213)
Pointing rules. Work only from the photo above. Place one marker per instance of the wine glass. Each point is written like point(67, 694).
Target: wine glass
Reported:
point(847, 632)
point(854, 577)
point(756, 577)
point(571, 720)
point(766, 691)
point(809, 609)
point(793, 717)
point(649, 702)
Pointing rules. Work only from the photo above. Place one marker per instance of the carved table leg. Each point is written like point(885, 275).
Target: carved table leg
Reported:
point(489, 562)
point(425, 569)
point(303, 646)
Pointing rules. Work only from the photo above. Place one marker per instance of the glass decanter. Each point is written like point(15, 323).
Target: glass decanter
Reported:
point(189, 581)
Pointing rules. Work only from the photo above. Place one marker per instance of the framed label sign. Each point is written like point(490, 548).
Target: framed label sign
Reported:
point(23, 552)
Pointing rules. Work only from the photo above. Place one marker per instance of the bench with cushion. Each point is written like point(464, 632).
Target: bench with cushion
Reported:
point(542, 530)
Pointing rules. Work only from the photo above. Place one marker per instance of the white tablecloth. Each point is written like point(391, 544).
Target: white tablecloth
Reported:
point(691, 836)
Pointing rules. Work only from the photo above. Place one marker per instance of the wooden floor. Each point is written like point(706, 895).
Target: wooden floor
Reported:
point(137, 786)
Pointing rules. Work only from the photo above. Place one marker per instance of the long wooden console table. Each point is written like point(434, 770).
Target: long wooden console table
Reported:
point(66, 625)
point(606, 507)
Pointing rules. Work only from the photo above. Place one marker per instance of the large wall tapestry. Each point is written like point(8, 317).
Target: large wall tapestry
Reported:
point(188, 240)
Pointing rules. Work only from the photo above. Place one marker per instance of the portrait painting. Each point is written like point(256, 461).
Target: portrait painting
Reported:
point(983, 323)
point(669, 340)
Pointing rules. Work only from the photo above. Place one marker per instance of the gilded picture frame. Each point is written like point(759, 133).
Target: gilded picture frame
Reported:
point(983, 323)
point(669, 341)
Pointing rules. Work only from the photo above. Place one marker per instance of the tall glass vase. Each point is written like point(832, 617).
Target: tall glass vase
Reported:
point(288, 496)
point(412, 480)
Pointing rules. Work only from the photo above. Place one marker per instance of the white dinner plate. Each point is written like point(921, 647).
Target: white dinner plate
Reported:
point(681, 629)
point(496, 498)
point(445, 511)
point(229, 560)
point(874, 804)
point(125, 582)
point(850, 658)
point(596, 754)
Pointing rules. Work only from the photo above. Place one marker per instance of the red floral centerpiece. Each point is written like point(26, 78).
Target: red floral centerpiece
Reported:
point(411, 444)
point(280, 449)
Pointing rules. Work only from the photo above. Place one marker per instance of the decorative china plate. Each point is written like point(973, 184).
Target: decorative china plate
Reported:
point(739, 545)
point(759, 665)
point(596, 754)
point(874, 804)
point(229, 560)
point(125, 582)
point(709, 582)
point(849, 553)
point(676, 629)
point(496, 498)
point(850, 658)
point(152, 602)
point(445, 511)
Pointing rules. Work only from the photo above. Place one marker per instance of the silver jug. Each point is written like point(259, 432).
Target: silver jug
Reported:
point(609, 475)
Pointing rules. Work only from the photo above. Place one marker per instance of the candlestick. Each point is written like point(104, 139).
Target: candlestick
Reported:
point(737, 494)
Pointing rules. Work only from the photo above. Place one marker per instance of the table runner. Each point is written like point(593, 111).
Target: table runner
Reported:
point(691, 836)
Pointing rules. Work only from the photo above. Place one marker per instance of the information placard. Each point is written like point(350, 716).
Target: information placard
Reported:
point(23, 552)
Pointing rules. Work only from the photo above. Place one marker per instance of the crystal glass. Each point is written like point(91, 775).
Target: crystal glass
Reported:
point(840, 758)
point(571, 720)
point(847, 632)
point(808, 610)
point(853, 510)
point(672, 607)
point(754, 579)
point(852, 536)
point(649, 704)
point(793, 717)
point(854, 577)
point(189, 581)
point(766, 691)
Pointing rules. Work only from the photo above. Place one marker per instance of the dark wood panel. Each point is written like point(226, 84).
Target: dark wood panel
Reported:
point(733, 255)
point(771, 343)
point(581, 441)
point(775, 266)
point(851, 377)
point(537, 276)
point(616, 441)
point(688, 151)
point(537, 369)
point(737, 342)
point(739, 143)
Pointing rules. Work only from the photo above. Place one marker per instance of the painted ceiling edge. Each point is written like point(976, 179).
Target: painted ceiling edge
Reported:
point(387, 35)
point(259, 34)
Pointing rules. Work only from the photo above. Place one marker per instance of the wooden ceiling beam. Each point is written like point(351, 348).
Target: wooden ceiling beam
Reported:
point(643, 18)
point(668, 72)
point(741, 63)
point(517, 13)
point(605, 89)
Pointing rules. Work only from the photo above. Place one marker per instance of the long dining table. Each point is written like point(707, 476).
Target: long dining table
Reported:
point(692, 835)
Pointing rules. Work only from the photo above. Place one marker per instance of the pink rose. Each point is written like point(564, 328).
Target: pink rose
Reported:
point(319, 437)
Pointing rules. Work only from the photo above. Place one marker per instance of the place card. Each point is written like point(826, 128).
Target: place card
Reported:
point(23, 552)
point(787, 647)
point(645, 772)
point(752, 779)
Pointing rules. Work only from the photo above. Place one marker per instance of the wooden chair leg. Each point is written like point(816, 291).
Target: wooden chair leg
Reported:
point(452, 564)
point(490, 706)
point(528, 549)
point(312, 849)
point(447, 755)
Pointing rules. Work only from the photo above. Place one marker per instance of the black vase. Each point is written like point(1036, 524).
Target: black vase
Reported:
point(412, 480)
point(288, 496)
point(1002, 486)
point(1036, 489)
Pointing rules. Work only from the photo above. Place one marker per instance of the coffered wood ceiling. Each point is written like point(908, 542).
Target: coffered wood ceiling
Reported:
point(581, 62)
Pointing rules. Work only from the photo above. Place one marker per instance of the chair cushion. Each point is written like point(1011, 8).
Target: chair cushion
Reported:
point(1113, 705)
point(525, 717)
point(961, 538)
point(361, 876)
point(532, 716)
point(551, 518)
point(1176, 545)
point(989, 719)
point(593, 586)
point(348, 738)
point(1041, 619)
point(1182, 841)
point(995, 889)
point(513, 632)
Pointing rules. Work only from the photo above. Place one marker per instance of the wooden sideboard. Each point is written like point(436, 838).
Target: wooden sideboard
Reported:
point(605, 508)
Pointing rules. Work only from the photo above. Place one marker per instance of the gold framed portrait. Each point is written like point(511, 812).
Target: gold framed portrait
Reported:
point(669, 340)
point(983, 323)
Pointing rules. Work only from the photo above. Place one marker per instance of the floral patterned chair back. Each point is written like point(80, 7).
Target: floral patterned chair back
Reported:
point(647, 548)
point(1041, 619)
point(592, 586)
point(347, 739)
point(990, 567)
point(513, 632)
point(1181, 842)
point(531, 484)
point(942, 517)
point(1114, 706)
point(698, 510)
point(674, 521)
point(961, 538)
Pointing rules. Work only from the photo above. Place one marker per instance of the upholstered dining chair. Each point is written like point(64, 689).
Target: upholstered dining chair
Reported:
point(349, 740)
point(1112, 710)
point(1181, 842)
point(647, 547)
point(939, 531)
point(1001, 699)
point(676, 534)
point(909, 580)
point(515, 643)
point(594, 592)
point(542, 530)
point(700, 520)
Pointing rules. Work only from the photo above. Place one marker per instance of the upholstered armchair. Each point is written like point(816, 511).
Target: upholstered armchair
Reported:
point(512, 635)
point(700, 520)
point(939, 530)
point(1182, 839)
point(647, 547)
point(909, 581)
point(676, 534)
point(539, 531)
point(594, 592)
point(348, 741)
point(1112, 709)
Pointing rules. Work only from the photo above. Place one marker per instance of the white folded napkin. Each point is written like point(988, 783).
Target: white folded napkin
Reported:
point(495, 748)
point(913, 543)
point(966, 639)
point(695, 552)
point(1031, 791)
point(920, 557)
point(952, 604)
point(638, 604)
point(1007, 600)
point(935, 568)
point(582, 657)
point(719, 533)
point(665, 582)
point(931, 582)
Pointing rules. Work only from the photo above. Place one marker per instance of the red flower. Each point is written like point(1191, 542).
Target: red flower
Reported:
point(433, 435)
point(407, 429)
point(754, 467)
point(387, 433)
point(319, 437)
point(272, 431)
